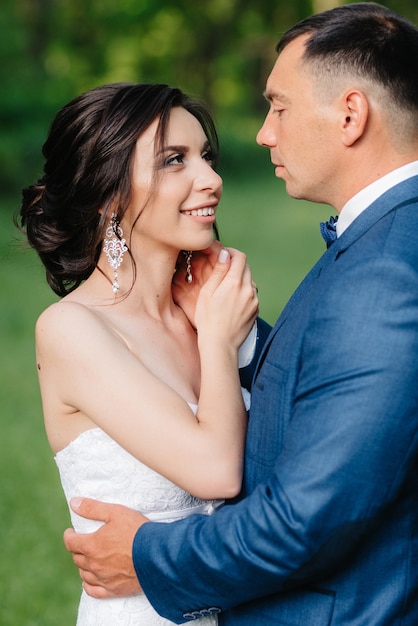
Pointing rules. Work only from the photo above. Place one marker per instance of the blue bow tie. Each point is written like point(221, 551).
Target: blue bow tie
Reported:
point(328, 230)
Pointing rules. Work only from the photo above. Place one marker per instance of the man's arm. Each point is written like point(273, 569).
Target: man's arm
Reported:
point(337, 472)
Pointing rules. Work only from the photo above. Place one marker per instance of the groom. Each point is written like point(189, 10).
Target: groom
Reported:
point(327, 530)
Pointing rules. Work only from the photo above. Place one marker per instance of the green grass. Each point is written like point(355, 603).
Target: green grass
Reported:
point(39, 584)
point(38, 581)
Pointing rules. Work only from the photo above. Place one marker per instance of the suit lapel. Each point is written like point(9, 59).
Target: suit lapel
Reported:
point(395, 197)
point(304, 287)
point(403, 193)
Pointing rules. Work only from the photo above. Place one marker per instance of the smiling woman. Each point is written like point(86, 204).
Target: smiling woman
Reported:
point(139, 408)
point(186, 185)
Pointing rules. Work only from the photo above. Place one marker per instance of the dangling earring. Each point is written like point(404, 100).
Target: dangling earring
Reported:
point(188, 255)
point(114, 248)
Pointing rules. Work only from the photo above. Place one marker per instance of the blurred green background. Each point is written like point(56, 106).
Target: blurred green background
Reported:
point(50, 51)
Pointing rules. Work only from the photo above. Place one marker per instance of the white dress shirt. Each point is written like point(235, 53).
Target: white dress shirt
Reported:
point(364, 198)
point(247, 349)
point(352, 209)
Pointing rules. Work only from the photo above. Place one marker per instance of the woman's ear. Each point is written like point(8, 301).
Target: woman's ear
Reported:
point(109, 207)
point(355, 109)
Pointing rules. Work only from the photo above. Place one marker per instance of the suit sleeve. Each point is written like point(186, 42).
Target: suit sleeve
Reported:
point(349, 447)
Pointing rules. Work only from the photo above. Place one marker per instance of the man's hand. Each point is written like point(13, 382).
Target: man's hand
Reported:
point(104, 558)
point(185, 294)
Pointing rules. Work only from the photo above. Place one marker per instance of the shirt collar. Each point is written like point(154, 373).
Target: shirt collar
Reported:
point(364, 198)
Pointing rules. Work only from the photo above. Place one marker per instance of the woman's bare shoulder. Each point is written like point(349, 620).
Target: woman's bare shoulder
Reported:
point(69, 320)
point(63, 311)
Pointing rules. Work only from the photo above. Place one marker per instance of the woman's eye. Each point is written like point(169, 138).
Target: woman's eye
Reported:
point(176, 159)
point(209, 156)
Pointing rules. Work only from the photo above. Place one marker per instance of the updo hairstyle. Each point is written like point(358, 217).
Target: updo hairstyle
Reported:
point(89, 155)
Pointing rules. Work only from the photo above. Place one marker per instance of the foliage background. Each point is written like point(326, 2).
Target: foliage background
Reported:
point(50, 51)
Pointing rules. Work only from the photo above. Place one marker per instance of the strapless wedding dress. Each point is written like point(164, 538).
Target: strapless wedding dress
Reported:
point(95, 466)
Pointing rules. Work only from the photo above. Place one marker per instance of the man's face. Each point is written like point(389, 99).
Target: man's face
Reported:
point(300, 129)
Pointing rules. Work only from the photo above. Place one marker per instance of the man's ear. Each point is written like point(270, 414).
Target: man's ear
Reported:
point(355, 113)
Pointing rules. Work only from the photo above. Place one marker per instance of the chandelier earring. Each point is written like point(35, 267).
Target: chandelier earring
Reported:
point(188, 256)
point(114, 248)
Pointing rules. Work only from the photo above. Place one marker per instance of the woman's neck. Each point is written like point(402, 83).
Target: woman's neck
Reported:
point(144, 286)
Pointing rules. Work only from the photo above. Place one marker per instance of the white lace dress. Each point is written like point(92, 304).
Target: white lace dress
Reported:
point(95, 466)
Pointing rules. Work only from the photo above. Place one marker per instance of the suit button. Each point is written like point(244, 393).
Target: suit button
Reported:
point(193, 615)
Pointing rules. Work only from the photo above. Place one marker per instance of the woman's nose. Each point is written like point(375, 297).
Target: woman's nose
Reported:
point(207, 178)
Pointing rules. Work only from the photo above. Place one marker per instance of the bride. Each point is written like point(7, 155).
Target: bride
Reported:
point(142, 404)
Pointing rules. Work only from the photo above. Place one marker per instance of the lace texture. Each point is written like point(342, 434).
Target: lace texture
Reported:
point(94, 465)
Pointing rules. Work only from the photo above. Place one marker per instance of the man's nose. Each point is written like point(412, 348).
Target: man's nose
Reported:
point(266, 136)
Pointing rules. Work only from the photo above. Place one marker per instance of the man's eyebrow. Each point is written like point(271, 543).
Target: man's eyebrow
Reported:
point(270, 96)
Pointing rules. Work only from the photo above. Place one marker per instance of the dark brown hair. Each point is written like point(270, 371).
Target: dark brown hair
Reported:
point(88, 165)
point(367, 39)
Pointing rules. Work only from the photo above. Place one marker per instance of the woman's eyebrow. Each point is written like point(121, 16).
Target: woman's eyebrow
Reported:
point(173, 149)
point(186, 149)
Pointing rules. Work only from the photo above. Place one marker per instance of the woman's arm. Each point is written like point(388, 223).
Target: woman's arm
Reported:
point(87, 373)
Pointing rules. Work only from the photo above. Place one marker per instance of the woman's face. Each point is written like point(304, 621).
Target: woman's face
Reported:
point(185, 189)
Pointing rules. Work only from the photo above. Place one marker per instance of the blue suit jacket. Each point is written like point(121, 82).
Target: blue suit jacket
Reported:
point(327, 530)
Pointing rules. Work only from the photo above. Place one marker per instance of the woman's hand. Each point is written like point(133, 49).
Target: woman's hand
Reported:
point(227, 304)
point(185, 294)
